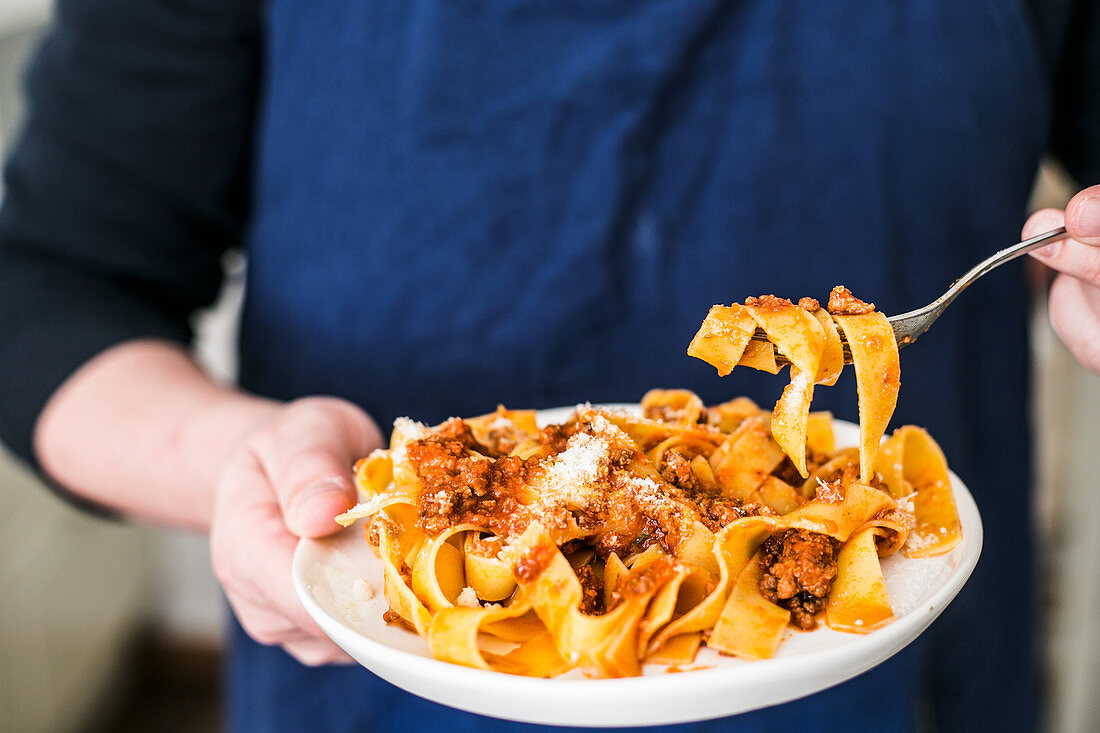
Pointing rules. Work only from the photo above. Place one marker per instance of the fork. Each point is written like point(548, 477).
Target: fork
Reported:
point(908, 327)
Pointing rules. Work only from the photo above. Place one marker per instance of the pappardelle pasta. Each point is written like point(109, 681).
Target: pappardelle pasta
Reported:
point(616, 539)
point(808, 336)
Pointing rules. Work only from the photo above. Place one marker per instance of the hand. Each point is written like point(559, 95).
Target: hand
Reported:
point(288, 479)
point(1075, 293)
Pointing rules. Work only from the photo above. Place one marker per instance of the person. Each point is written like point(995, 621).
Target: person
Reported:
point(446, 206)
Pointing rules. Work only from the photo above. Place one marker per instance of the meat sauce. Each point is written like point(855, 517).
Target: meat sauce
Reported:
point(768, 303)
point(640, 581)
point(798, 572)
point(626, 513)
point(630, 513)
point(809, 304)
point(529, 567)
point(843, 303)
point(463, 487)
point(676, 469)
point(787, 472)
point(591, 591)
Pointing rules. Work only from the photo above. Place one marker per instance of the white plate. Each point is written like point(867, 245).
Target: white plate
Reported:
point(326, 571)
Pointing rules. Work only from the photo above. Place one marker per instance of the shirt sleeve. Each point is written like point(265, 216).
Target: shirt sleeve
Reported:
point(128, 183)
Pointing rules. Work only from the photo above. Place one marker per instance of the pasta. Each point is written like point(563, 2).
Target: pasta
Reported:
point(617, 539)
point(808, 336)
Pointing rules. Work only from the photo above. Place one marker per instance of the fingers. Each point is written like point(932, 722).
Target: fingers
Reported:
point(1071, 256)
point(308, 456)
point(251, 553)
point(291, 477)
point(272, 630)
point(1075, 294)
point(1075, 317)
point(1083, 216)
point(314, 652)
point(1041, 221)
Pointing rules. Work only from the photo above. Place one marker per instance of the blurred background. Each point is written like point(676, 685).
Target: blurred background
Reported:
point(105, 626)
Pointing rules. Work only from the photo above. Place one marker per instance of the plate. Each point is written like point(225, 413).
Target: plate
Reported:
point(339, 580)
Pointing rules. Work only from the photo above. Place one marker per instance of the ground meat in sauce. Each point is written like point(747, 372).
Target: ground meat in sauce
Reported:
point(486, 546)
point(502, 441)
point(716, 512)
point(626, 530)
point(676, 469)
point(843, 303)
point(640, 581)
point(373, 533)
point(787, 472)
point(591, 591)
point(830, 492)
point(456, 429)
point(849, 474)
point(555, 437)
point(768, 302)
point(460, 487)
point(809, 304)
point(798, 571)
point(529, 567)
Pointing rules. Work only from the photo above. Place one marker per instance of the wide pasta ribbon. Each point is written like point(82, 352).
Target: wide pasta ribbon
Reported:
point(745, 459)
point(751, 626)
point(811, 343)
point(799, 337)
point(723, 337)
point(878, 379)
point(438, 570)
point(490, 577)
point(402, 599)
point(606, 643)
point(733, 548)
point(858, 601)
point(913, 465)
point(453, 636)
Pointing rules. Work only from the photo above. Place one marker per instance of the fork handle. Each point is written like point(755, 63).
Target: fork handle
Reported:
point(1011, 253)
point(999, 258)
point(909, 326)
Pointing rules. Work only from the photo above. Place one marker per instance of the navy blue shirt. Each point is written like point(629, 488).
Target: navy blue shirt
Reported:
point(450, 205)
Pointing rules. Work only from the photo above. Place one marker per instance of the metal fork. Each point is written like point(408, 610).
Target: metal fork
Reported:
point(908, 327)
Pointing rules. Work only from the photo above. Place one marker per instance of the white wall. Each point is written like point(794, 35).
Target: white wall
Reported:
point(22, 15)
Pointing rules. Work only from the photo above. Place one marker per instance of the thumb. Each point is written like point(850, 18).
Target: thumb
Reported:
point(1083, 216)
point(311, 508)
point(307, 456)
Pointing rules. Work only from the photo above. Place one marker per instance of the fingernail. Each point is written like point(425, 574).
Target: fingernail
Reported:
point(314, 504)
